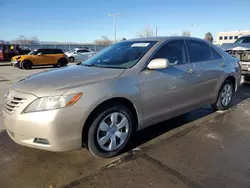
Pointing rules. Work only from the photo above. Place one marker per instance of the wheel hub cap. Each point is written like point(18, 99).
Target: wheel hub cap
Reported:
point(112, 131)
point(226, 94)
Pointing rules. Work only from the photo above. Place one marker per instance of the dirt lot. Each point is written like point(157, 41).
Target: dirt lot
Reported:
point(198, 149)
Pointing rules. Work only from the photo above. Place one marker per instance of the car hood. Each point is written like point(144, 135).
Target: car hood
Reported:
point(19, 57)
point(235, 46)
point(69, 54)
point(57, 82)
point(16, 57)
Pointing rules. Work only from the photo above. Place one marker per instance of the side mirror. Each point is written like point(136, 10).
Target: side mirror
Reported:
point(74, 52)
point(159, 63)
point(40, 53)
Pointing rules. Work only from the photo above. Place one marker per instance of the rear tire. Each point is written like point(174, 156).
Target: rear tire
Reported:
point(62, 62)
point(110, 140)
point(26, 64)
point(225, 96)
point(246, 78)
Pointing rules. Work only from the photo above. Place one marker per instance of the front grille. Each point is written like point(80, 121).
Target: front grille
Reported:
point(244, 67)
point(12, 103)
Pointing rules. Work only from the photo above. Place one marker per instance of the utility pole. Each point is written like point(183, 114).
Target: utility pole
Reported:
point(156, 31)
point(114, 17)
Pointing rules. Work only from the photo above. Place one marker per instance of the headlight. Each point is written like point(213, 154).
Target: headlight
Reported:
point(50, 103)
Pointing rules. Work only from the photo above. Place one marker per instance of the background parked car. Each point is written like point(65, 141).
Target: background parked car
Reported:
point(241, 50)
point(79, 54)
point(7, 51)
point(25, 50)
point(40, 57)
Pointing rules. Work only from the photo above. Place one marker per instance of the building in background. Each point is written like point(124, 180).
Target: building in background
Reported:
point(230, 36)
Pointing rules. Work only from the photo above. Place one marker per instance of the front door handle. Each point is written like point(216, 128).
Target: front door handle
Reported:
point(189, 71)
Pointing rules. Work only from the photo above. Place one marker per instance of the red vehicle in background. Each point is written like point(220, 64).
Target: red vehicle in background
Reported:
point(7, 51)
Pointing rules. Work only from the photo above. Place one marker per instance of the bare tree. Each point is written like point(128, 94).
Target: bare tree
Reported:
point(21, 40)
point(103, 41)
point(209, 37)
point(34, 40)
point(186, 33)
point(147, 32)
point(173, 34)
point(24, 40)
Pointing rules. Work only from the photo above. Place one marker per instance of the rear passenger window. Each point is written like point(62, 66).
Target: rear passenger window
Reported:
point(82, 51)
point(56, 51)
point(198, 51)
point(59, 51)
point(174, 51)
point(44, 51)
point(215, 54)
point(50, 51)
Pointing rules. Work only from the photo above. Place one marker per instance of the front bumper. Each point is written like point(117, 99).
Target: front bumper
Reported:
point(15, 63)
point(62, 128)
point(245, 72)
point(245, 68)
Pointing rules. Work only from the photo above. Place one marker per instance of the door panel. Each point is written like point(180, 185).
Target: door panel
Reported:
point(167, 90)
point(207, 63)
point(52, 59)
point(207, 74)
point(43, 59)
point(39, 60)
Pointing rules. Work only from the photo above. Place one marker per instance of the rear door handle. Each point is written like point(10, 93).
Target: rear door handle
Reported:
point(222, 64)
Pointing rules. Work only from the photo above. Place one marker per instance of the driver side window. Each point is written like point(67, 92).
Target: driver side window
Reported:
point(174, 51)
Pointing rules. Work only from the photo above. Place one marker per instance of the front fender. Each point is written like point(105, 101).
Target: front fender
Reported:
point(96, 94)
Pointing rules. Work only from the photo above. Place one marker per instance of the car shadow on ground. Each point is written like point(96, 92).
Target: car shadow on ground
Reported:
point(46, 67)
point(4, 64)
point(43, 67)
point(156, 130)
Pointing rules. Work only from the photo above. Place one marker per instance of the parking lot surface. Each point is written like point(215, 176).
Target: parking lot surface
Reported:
point(181, 152)
point(212, 153)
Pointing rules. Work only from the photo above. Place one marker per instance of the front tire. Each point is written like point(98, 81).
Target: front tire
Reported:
point(111, 131)
point(71, 59)
point(225, 96)
point(26, 64)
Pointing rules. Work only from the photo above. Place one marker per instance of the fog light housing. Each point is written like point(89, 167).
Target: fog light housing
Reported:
point(41, 141)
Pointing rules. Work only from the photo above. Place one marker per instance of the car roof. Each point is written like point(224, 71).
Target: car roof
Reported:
point(244, 36)
point(81, 49)
point(160, 38)
point(48, 49)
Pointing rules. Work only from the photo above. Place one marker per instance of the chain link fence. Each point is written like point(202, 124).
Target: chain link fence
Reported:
point(65, 47)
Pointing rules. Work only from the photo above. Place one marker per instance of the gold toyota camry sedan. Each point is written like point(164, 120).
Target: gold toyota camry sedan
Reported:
point(130, 85)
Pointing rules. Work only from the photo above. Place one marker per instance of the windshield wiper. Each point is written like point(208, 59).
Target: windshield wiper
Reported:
point(103, 66)
point(91, 65)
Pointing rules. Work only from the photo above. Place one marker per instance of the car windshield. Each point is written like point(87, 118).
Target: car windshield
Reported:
point(33, 52)
point(120, 55)
point(243, 40)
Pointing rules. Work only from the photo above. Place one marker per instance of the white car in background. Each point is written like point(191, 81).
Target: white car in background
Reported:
point(79, 54)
